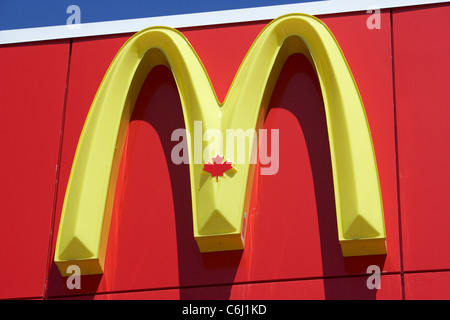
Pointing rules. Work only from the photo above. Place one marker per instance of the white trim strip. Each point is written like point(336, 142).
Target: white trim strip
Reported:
point(199, 19)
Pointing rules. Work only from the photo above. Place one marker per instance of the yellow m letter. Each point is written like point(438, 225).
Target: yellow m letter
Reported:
point(218, 221)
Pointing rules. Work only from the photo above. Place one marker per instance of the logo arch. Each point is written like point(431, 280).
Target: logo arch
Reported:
point(218, 222)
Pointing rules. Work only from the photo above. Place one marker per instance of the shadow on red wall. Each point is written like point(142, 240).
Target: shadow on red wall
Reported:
point(297, 98)
point(159, 106)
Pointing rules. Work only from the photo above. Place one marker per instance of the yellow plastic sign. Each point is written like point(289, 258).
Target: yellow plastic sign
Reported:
point(218, 216)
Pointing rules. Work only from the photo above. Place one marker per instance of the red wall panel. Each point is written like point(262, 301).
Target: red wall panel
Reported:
point(32, 88)
point(90, 58)
point(422, 77)
point(427, 286)
point(309, 289)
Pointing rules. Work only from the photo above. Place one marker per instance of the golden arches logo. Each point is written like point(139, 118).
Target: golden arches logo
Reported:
point(217, 221)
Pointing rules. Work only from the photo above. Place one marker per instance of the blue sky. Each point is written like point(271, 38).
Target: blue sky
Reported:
point(17, 14)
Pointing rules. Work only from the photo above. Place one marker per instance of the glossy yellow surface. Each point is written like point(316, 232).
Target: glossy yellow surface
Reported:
point(219, 204)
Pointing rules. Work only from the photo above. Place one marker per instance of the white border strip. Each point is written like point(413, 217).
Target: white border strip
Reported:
point(199, 19)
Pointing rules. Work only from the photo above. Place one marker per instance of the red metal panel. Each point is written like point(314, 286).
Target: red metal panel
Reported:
point(354, 288)
point(166, 294)
point(427, 286)
point(90, 58)
point(32, 87)
point(292, 232)
point(222, 49)
point(422, 69)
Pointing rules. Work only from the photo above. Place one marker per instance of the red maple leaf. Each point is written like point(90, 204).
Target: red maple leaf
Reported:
point(218, 167)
